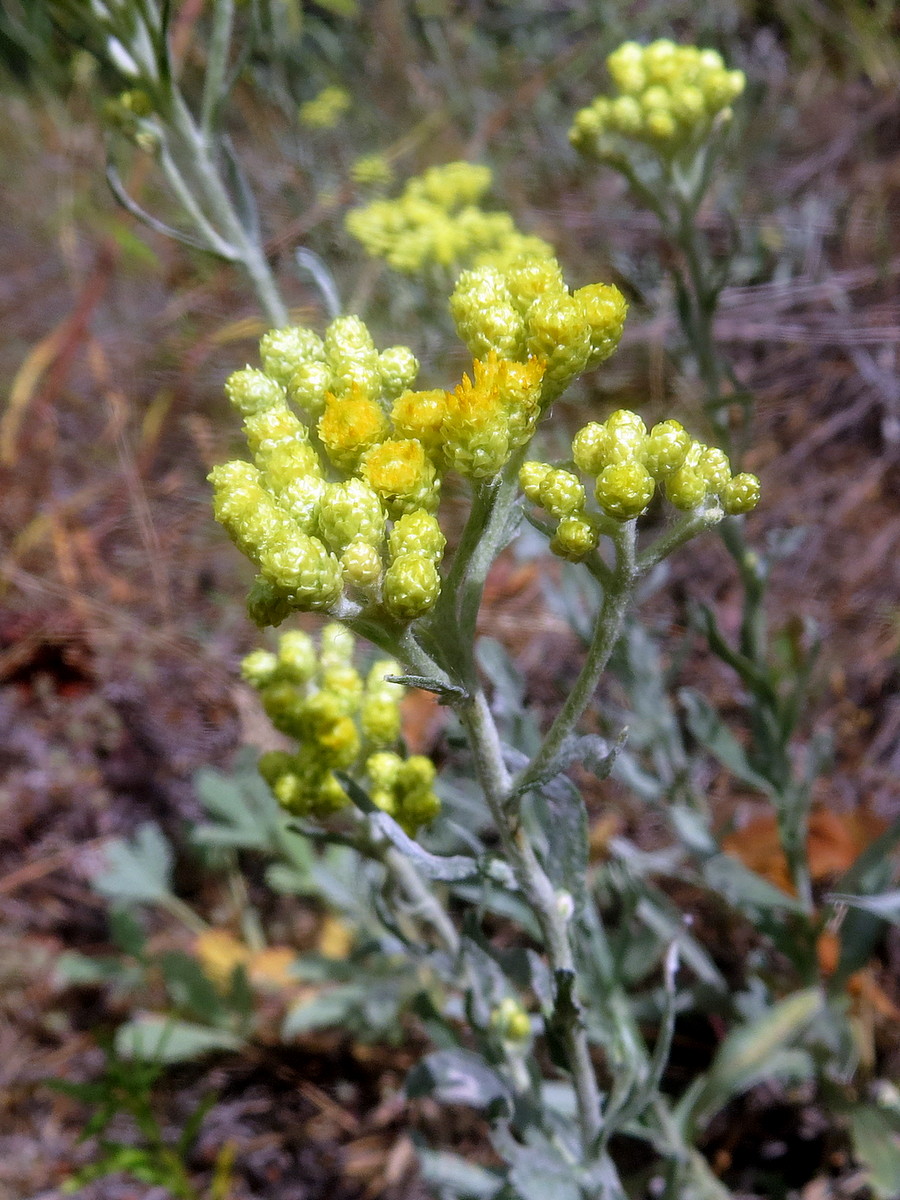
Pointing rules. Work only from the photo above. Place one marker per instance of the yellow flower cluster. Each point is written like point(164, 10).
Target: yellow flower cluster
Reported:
point(668, 96)
point(437, 221)
point(314, 509)
point(341, 722)
point(325, 110)
point(627, 463)
point(372, 170)
point(344, 499)
point(526, 313)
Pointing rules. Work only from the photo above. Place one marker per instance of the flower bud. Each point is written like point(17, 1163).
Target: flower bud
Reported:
point(398, 368)
point(591, 448)
point(361, 565)
point(561, 493)
point(411, 586)
point(303, 567)
point(715, 468)
point(575, 538)
point(252, 391)
point(284, 351)
point(348, 512)
point(686, 488)
point(379, 719)
point(296, 657)
point(511, 1021)
point(741, 494)
point(531, 476)
point(259, 667)
point(667, 447)
point(624, 490)
point(417, 532)
point(308, 385)
point(604, 308)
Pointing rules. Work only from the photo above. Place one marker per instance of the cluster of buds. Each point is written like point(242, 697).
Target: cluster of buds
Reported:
point(669, 96)
point(339, 501)
point(341, 722)
point(526, 312)
point(437, 221)
point(336, 501)
point(325, 110)
point(372, 170)
point(345, 499)
point(626, 464)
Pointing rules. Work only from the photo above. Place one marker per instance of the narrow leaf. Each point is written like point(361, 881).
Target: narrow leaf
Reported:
point(161, 1039)
point(709, 729)
point(459, 1077)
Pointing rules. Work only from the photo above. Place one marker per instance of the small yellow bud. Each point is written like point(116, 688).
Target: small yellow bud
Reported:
point(511, 1021)
point(591, 448)
point(411, 586)
point(402, 475)
point(741, 494)
point(667, 447)
point(561, 493)
point(296, 657)
point(361, 565)
point(252, 391)
point(417, 532)
point(259, 667)
point(686, 488)
point(531, 476)
point(575, 538)
point(624, 490)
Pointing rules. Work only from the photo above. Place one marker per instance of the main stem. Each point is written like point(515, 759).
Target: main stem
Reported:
point(200, 167)
point(541, 896)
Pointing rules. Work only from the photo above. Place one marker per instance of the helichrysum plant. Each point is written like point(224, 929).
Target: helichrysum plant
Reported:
point(340, 513)
point(341, 722)
point(438, 222)
point(663, 128)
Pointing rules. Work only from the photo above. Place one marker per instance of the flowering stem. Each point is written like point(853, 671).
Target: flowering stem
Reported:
point(680, 532)
point(616, 598)
point(427, 905)
point(541, 895)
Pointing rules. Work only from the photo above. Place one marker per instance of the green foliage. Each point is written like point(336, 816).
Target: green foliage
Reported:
point(126, 1087)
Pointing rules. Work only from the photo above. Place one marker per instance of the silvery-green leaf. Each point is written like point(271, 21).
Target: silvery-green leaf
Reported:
point(243, 810)
point(448, 693)
point(509, 687)
point(708, 728)
point(540, 1170)
point(162, 1039)
point(743, 888)
point(876, 1145)
point(692, 829)
point(137, 871)
point(459, 1077)
point(756, 1051)
point(563, 819)
point(455, 1179)
point(328, 1010)
point(886, 906)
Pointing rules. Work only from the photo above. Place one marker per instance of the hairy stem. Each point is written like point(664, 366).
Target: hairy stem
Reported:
point(427, 906)
point(616, 599)
point(541, 895)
